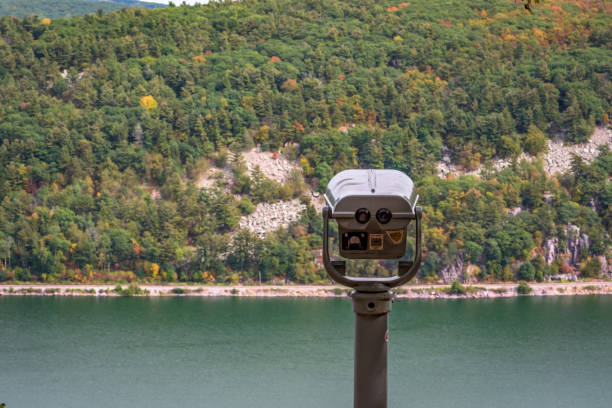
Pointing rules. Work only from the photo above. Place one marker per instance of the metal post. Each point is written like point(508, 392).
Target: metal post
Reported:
point(371, 340)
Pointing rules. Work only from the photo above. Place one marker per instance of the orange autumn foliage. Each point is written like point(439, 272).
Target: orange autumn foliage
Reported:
point(289, 85)
point(199, 59)
point(298, 126)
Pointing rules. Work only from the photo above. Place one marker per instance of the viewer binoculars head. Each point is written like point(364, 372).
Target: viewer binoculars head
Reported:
point(373, 209)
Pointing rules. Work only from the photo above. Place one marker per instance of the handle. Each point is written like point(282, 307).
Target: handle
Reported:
point(406, 270)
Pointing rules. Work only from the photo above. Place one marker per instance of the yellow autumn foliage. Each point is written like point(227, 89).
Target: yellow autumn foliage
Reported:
point(154, 270)
point(45, 21)
point(148, 102)
point(263, 134)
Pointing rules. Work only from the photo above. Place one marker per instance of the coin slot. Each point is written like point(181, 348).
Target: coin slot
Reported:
point(395, 236)
point(376, 242)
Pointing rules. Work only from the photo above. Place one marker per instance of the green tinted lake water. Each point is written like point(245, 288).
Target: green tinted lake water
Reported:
point(239, 352)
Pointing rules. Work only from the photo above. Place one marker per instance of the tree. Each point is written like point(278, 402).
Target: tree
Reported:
point(592, 268)
point(530, 4)
point(244, 251)
point(535, 141)
point(289, 85)
point(324, 173)
point(210, 247)
point(148, 102)
point(526, 272)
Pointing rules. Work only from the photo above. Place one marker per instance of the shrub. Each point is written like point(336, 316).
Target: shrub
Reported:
point(6, 275)
point(457, 288)
point(246, 206)
point(22, 274)
point(592, 268)
point(523, 288)
point(131, 290)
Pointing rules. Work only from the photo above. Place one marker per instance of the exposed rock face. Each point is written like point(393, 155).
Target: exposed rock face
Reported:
point(575, 244)
point(515, 211)
point(273, 165)
point(551, 250)
point(471, 273)
point(557, 160)
point(565, 277)
point(559, 157)
point(452, 272)
point(270, 217)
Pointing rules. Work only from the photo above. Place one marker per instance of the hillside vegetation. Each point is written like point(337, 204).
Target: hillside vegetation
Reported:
point(106, 121)
point(65, 8)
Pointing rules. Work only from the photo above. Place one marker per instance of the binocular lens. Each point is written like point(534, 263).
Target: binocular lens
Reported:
point(362, 215)
point(383, 215)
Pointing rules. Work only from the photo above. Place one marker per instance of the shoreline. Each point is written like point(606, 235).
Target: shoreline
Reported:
point(482, 291)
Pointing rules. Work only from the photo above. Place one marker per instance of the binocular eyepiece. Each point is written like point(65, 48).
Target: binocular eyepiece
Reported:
point(383, 215)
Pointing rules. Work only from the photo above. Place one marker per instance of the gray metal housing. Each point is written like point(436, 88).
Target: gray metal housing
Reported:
point(349, 187)
point(351, 190)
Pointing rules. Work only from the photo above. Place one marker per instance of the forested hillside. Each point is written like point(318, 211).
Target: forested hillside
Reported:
point(65, 8)
point(107, 120)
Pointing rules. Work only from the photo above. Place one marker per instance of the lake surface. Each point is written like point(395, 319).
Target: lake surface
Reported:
point(240, 352)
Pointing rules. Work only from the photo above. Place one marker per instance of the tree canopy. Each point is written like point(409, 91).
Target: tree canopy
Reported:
point(106, 120)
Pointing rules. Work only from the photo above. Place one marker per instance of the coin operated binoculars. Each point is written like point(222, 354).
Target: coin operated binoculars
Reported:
point(373, 209)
